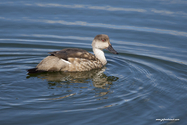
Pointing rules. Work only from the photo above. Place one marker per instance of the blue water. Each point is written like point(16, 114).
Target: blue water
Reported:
point(145, 82)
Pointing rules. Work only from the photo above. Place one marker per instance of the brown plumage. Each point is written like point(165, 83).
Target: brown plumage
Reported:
point(73, 53)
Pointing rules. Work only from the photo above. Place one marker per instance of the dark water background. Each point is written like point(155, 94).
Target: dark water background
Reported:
point(145, 82)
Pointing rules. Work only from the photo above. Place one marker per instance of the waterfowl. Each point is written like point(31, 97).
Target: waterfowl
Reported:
point(74, 59)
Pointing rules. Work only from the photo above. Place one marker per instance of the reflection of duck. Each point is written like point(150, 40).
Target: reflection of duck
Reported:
point(74, 59)
point(99, 79)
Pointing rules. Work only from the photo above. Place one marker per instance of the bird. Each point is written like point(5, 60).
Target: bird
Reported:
point(75, 59)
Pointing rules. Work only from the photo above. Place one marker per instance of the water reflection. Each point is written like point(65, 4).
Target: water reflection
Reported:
point(98, 78)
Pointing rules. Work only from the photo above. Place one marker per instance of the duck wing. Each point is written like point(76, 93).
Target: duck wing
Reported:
point(73, 53)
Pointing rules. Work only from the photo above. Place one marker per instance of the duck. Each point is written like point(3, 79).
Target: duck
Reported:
point(75, 59)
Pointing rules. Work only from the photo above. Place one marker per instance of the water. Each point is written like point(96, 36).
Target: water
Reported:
point(145, 82)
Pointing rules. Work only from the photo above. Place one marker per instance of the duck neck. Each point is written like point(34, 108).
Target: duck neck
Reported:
point(100, 55)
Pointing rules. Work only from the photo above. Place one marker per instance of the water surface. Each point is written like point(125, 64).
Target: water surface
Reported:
point(145, 82)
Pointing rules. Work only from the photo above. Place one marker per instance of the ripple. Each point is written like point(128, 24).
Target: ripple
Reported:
point(79, 6)
point(110, 26)
point(102, 25)
point(105, 8)
point(143, 76)
point(128, 79)
point(95, 90)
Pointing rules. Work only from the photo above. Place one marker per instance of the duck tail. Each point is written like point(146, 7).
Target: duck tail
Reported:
point(34, 70)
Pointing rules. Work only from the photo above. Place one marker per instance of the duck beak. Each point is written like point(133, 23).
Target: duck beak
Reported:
point(111, 49)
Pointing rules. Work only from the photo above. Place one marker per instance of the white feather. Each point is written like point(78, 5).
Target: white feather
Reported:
point(66, 61)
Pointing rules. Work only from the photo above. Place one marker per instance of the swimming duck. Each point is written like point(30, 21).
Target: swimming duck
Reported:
point(74, 59)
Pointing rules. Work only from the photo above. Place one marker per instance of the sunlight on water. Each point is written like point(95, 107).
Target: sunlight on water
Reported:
point(110, 26)
point(106, 8)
